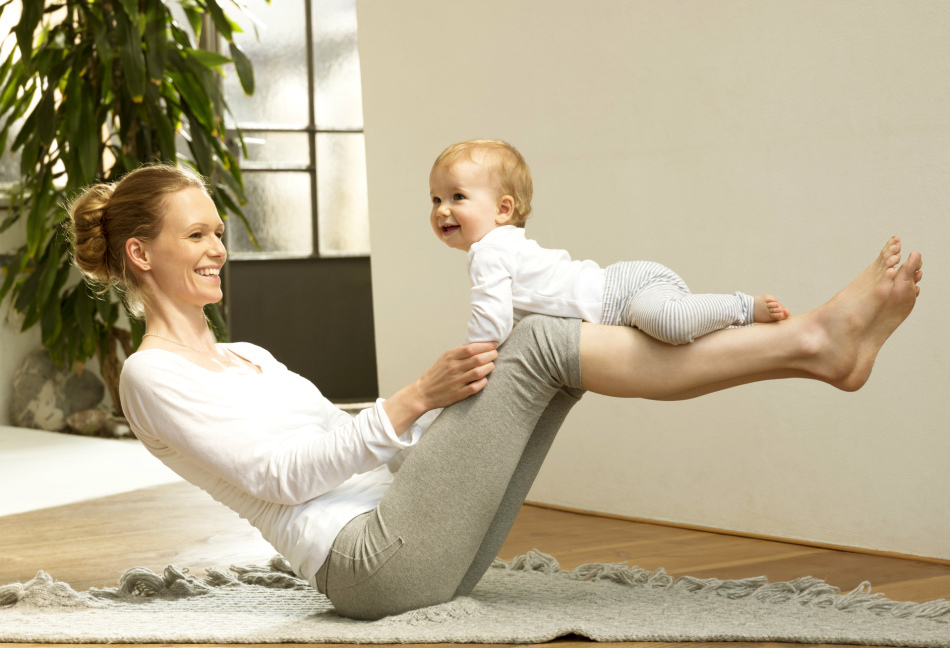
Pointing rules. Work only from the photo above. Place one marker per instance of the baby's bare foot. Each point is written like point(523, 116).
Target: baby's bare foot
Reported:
point(768, 309)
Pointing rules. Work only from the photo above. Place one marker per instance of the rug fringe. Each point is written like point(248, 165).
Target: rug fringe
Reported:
point(806, 591)
point(139, 583)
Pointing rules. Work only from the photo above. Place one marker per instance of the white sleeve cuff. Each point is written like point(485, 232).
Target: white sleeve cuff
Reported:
point(411, 436)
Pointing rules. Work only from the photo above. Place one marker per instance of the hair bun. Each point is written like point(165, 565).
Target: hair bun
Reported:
point(90, 240)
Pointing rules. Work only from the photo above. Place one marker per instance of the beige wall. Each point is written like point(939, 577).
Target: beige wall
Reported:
point(755, 146)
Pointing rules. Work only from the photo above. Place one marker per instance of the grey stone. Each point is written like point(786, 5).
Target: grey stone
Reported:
point(44, 396)
point(90, 422)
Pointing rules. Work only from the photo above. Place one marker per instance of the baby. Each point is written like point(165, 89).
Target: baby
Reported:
point(481, 197)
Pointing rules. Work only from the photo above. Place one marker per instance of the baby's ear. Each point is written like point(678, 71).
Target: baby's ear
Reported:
point(506, 210)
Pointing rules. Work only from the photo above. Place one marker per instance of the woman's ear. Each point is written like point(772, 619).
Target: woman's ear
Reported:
point(137, 254)
point(506, 210)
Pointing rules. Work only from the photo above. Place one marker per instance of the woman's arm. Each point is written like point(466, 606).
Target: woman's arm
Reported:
point(456, 375)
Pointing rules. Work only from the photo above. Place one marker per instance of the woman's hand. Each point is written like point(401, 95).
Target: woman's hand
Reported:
point(456, 375)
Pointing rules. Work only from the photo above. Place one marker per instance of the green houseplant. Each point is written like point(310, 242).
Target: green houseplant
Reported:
point(96, 88)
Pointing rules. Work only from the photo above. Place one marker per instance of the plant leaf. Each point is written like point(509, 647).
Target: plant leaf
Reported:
point(137, 327)
point(194, 16)
point(51, 322)
point(131, 9)
point(87, 147)
point(230, 170)
point(13, 271)
point(27, 132)
point(36, 219)
point(244, 68)
point(156, 38)
point(131, 54)
point(27, 292)
point(85, 307)
point(221, 22)
point(211, 60)
point(161, 123)
point(9, 220)
point(49, 270)
point(218, 326)
point(29, 18)
point(195, 100)
point(46, 116)
point(200, 148)
point(12, 87)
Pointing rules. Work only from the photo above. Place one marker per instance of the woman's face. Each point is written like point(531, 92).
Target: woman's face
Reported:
point(186, 257)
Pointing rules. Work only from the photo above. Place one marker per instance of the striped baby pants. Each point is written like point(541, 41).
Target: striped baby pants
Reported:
point(654, 299)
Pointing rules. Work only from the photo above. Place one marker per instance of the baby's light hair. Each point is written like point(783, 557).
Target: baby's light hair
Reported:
point(506, 168)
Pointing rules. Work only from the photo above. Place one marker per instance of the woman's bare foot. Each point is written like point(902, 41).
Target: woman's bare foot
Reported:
point(848, 331)
point(768, 309)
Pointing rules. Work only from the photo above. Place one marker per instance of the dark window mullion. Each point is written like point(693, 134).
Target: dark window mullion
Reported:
point(312, 126)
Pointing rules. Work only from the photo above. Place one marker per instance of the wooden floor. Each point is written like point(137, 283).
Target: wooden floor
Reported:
point(90, 545)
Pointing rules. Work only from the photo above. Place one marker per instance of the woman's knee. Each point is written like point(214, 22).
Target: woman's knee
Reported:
point(548, 345)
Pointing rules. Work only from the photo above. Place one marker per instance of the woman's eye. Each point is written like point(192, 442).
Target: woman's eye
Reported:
point(220, 235)
point(196, 235)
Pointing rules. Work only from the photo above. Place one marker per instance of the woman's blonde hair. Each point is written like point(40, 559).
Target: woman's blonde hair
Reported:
point(506, 167)
point(105, 216)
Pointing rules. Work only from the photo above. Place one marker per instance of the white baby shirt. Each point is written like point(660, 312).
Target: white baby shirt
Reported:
point(269, 446)
point(513, 276)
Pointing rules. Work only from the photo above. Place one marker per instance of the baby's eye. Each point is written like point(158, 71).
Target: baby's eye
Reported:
point(458, 197)
point(436, 201)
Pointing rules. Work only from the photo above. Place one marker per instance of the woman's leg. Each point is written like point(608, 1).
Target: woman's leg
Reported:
point(528, 468)
point(837, 343)
point(456, 492)
point(424, 542)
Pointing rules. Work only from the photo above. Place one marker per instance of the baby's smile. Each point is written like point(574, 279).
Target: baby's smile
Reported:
point(448, 229)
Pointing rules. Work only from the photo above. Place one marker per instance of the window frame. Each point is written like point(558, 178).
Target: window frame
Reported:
point(311, 168)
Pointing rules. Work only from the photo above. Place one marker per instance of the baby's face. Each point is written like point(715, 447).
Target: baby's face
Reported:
point(465, 204)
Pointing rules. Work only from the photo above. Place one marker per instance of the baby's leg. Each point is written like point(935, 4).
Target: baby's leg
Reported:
point(769, 309)
point(659, 304)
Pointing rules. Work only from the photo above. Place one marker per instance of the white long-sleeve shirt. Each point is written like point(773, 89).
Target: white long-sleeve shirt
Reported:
point(269, 446)
point(513, 276)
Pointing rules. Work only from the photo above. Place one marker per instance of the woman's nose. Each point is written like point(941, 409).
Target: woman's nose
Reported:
point(218, 249)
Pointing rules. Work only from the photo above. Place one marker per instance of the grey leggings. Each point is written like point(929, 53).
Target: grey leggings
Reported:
point(453, 501)
point(654, 299)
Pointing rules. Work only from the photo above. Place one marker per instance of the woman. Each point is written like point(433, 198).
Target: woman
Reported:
point(263, 441)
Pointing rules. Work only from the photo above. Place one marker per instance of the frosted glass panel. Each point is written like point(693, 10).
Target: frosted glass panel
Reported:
point(277, 148)
point(278, 211)
point(280, 65)
point(341, 194)
point(338, 98)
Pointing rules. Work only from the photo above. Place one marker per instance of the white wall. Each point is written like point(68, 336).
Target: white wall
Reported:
point(762, 146)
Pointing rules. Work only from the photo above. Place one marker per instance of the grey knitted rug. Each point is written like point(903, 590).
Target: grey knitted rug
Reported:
point(528, 600)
